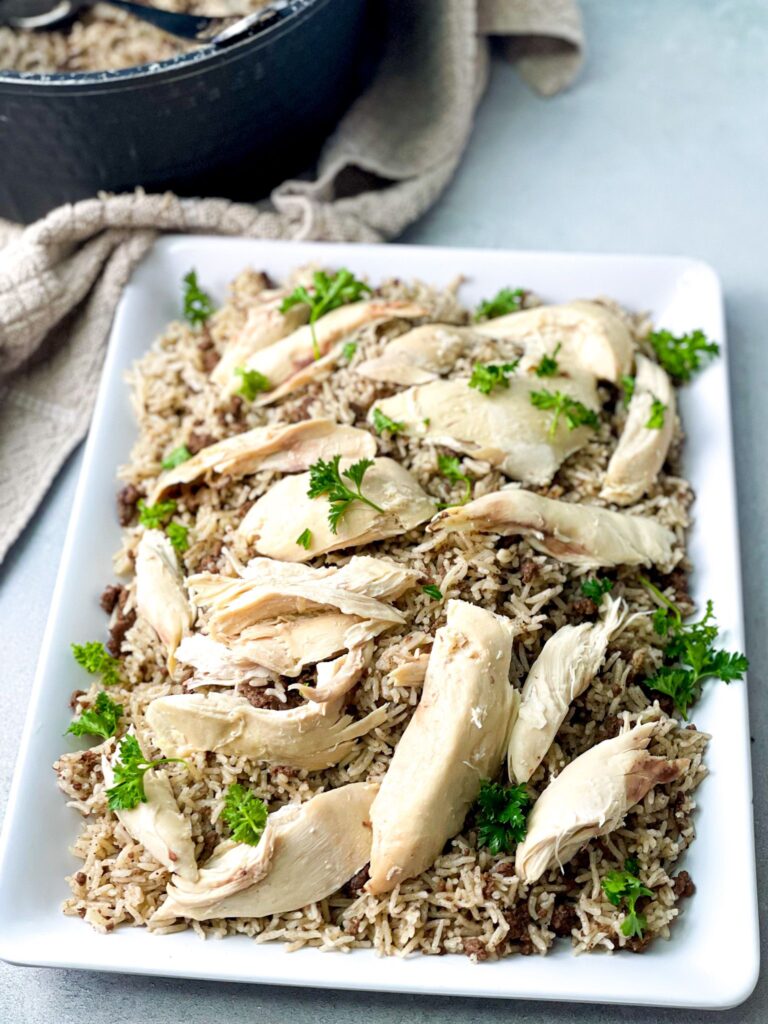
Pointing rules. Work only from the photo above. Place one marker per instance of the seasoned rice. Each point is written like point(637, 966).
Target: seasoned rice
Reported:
point(470, 901)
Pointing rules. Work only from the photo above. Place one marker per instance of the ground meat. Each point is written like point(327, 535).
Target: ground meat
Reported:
point(73, 698)
point(584, 606)
point(211, 840)
point(286, 770)
point(518, 919)
point(197, 441)
point(683, 886)
point(666, 703)
point(678, 580)
point(507, 869)
point(609, 728)
point(564, 919)
point(475, 947)
point(357, 882)
point(119, 627)
point(209, 357)
point(127, 497)
point(638, 945)
point(211, 561)
point(81, 878)
point(110, 596)
point(529, 570)
point(258, 697)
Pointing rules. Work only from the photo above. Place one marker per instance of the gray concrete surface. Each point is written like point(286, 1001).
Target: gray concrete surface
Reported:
point(660, 148)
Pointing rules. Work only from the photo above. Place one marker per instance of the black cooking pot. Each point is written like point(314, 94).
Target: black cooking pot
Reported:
point(218, 122)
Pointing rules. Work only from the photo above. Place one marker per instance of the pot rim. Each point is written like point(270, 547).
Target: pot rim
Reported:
point(180, 66)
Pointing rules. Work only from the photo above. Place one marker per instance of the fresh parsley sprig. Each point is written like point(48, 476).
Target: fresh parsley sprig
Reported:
point(304, 540)
point(178, 535)
point(433, 591)
point(656, 418)
point(486, 377)
point(548, 365)
point(682, 355)
point(328, 293)
point(245, 814)
point(501, 817)
point(575, 413)
point(595, 588)
point(252, 383)
point(628, 384)
point(625, 886)
point(690, 655)
point(155, 517)
point(504, 301)
point(100, 719)
point(382, 422)
point(326, 480)
point(96, 660)
point(176, 457)
point(129, 771)
point(450, 467)
point(198, 305)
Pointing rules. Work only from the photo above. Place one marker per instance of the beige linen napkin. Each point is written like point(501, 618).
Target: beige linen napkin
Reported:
point(387, 162)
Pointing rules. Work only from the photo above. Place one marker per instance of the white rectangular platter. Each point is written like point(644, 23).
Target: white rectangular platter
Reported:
point(712, 959)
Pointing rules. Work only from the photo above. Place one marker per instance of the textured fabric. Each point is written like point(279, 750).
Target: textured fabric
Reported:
point(387, 162)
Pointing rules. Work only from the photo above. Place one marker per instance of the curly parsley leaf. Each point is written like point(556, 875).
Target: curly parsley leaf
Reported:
point(486, 377)
point(155, 517)
point(96, 659)
point(129, 771)
point(382, 422)
point(245, 814)
point(504, 301)
point(252, 383)
point(328, 293)
point(348, 352)
point(628, 384)
point(326, 480)
point(198, 305)
point(690, 656)
point(433, 591)
point(548, 365)
point(501, 816)
point(304, 540)
point(656, 419)
point(176, 457)
point(625, 886)
point(98, 720)
point(575, 413)
point(178, 535)
point(682, 355)
point(596, 588)
point(450, 467)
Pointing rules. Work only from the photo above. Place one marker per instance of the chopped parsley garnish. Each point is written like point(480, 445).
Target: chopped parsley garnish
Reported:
point(198, 305)
point(690, 655)
point(154, 517)
point(548, 365)
point(176, 457)
point(128, 790)
point(682, 355)
point(628, 384)
point(326, 480)
point(96, 659)
point(348, 352)
point(656, 419)
point(382, 422)
point(450, 467)
point(576, 414)
point(433, 591)
point(486, 377)
point(245, 814)
point(177, 534)
point(252, 383)
point(304, 539)
point(626, 886)
point(98, 720)
point(501, 816)
point(328, 293)
point(595, 588)
point(504, 301)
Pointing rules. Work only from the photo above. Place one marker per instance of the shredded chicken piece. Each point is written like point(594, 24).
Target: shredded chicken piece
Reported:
point(336, 678)
point(591, 797)
point(160, 595)
point(420, 355)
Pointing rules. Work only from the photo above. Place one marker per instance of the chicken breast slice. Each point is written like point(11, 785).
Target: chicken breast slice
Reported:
point(574, 534)
point(362, 574)
point(591, 797)
point(285, 511)
point(313, 736)
point(285, 447)
point(292, 359)
point(568, 663)
point(502, 428)
point(160, 595)
point(420, 355)
point(641, 450)
point(306, 853)
point(457, 737)
point(336, 678)
point(591, 338)
point(158, 824)
point(216, 664)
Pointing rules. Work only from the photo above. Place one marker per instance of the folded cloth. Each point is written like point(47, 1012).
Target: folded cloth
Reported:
point(387, 162)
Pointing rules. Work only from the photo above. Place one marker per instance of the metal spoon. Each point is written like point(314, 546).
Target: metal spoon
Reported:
point(45, 14)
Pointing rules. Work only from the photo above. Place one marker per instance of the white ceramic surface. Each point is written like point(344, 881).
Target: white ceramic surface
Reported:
point(713, 957)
